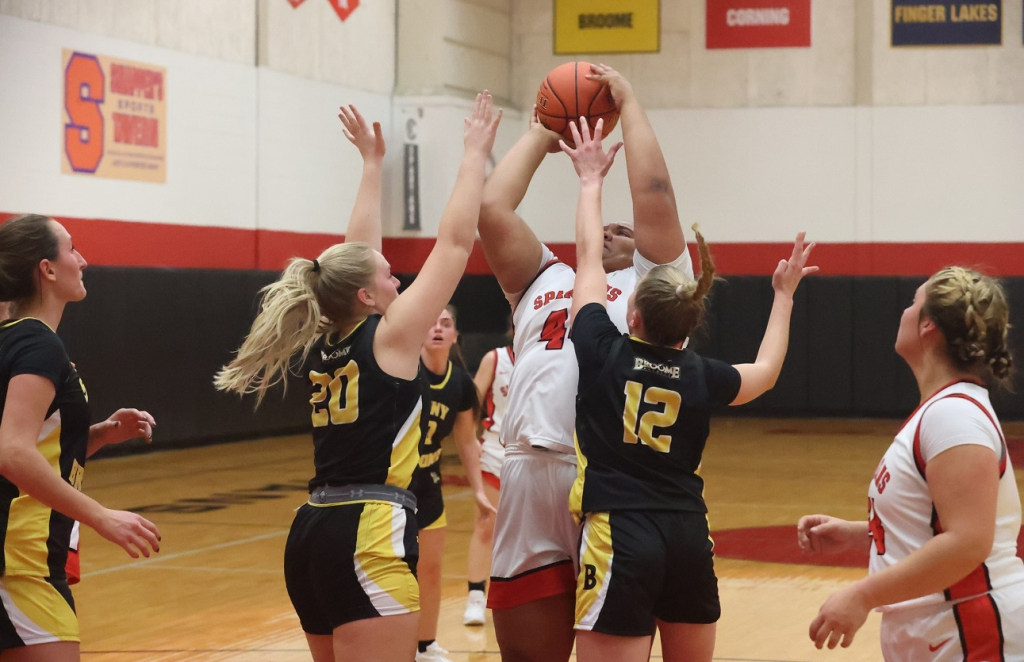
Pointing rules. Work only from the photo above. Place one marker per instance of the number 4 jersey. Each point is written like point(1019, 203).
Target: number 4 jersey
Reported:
point(366, 423)
point(642, 419)
point(902, 516)
point(542, 390)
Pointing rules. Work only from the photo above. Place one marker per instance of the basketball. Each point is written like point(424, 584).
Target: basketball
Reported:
point(567, 94)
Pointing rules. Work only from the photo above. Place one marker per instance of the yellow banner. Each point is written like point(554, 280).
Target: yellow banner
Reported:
point(114, 118)
point(607, 26)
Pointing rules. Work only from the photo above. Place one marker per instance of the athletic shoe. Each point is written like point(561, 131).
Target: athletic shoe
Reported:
point(476, 604)
point(434, 653)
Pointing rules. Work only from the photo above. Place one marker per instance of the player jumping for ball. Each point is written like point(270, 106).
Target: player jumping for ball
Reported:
point(535, 560)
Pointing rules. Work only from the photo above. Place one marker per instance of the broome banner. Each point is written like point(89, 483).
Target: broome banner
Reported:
point(758, 23)
point(946, 23)
point(114, 118)
point(607, 26)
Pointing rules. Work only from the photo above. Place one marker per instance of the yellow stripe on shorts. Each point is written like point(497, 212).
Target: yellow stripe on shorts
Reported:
point(379, 560)
point(595, 570)
point(37, 611)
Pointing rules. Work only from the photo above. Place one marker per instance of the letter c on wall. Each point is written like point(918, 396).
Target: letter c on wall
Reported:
point(83, 94)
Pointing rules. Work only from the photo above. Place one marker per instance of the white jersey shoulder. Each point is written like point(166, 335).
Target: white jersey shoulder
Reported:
point(496, 398)
point(542, 392)
point(902, 516)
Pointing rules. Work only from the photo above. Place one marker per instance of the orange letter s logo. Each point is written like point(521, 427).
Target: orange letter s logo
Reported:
point(83, 94)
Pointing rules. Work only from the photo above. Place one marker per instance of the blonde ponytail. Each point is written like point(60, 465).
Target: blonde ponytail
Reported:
point(310, 298)
point(672, 305)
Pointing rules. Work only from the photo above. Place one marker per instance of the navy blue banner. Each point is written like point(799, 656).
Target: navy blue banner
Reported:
point(946, 23)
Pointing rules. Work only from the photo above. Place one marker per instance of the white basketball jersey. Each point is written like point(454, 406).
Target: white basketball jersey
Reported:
point(902, 517)
point(542, 392)
point(496, 399)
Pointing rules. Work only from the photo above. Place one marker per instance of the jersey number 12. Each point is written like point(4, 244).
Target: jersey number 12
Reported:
point(644, 431)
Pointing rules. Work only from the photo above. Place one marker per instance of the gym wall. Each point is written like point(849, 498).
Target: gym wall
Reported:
point(896, 161)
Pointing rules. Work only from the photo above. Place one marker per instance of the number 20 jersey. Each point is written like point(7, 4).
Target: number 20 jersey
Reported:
point(542, 391)
point(366, 424)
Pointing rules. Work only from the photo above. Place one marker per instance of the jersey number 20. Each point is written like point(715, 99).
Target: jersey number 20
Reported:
point(343, 387)
point(664, 418)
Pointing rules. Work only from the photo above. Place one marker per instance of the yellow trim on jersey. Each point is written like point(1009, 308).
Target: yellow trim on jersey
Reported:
point(28, 523)
point(444, 382)
point(576, 494)
point(641, 340)
point(380, 559)
point(405, 450)
point(327, 339)
point(595, 570)
point(10, 323)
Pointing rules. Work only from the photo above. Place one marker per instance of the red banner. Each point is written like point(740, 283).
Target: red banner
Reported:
point(758, 23)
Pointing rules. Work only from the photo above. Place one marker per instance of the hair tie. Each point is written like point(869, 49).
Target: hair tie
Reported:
point(316, 266)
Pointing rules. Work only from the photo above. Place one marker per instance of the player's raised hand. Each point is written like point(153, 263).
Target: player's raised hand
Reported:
point(136, 534)
point(621, 89)
point(789, 272)
point(588, 157)
point(369, 140)
point(822, 533)
point(482, 125)
point(546, 134)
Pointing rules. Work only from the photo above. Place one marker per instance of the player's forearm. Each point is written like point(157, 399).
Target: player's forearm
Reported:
point(935, 566)
point(507, 185)
point(459, 220)
point(469, 453)
point(772, 352)
point(364, 224)
point(29, 471)
point(658, 234)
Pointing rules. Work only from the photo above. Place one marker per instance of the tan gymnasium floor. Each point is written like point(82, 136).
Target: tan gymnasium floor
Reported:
point(216, 590)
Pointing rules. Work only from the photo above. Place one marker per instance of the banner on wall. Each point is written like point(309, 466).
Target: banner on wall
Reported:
point(607, 26)
point(946, 23)
point(114, 118)
point(758, 24)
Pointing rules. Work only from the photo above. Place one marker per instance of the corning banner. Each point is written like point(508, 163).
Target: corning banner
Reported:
point(758, 24)
point(607, 26)
point(114, 118)
point(946, 23)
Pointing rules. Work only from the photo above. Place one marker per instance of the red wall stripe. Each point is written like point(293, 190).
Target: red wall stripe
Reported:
point(136, 244)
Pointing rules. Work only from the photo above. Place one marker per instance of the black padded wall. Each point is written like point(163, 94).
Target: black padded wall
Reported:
point(153, 338)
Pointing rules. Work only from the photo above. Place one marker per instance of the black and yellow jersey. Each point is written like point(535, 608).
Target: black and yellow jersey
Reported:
point(366, 423)
point(642, 419)
point(35, 538)
point(444, 398)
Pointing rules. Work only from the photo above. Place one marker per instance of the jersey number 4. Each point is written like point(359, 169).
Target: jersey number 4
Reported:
point(343, 388)
point(669, 401)
point(554, 329)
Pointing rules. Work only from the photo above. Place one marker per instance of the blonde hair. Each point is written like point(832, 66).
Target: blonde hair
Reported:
point(971, 310)
point(308, 300)
point(672, 305)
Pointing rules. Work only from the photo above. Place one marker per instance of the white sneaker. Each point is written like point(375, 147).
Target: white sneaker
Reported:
point(476, 604)
point(434, 653)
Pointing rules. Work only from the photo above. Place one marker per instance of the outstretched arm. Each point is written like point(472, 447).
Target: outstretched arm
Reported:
point(761, 375)
point(399, 337)
point(656, 228)
point(592, 164)
point(364, 225)
point(484, 376)
point(512, 249)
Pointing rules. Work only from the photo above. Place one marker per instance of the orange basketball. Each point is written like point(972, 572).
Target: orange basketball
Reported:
point(567, 94)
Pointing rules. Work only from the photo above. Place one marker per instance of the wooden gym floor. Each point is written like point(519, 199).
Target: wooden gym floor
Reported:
point(216, 590)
